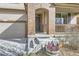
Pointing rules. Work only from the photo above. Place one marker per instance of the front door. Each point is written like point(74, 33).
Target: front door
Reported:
point(38, 23)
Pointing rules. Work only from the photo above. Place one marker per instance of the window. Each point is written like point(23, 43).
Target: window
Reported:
point(59, 20)
point(62, 18)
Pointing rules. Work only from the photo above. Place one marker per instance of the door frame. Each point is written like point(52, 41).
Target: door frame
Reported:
point(38, 22)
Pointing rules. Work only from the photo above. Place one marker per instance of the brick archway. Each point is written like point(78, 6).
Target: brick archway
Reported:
point(36, 9)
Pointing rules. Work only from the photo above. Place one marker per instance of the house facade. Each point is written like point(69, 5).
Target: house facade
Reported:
point(52, 18)
point(18, 20)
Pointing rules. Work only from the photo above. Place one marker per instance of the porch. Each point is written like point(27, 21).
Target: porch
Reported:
point(66, 28)
point(66, 18)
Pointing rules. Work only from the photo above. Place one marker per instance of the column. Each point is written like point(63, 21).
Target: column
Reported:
point(31, 19)
point(51, 20)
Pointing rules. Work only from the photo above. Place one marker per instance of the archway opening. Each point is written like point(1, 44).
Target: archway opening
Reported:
point(41, 20)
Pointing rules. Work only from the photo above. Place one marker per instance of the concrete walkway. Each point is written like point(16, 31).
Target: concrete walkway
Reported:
point(12, 47)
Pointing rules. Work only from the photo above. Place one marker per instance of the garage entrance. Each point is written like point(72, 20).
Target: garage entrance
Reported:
point(12, 29)
point(12, 24)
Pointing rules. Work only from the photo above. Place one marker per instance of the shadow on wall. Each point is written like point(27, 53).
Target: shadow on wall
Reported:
point(13, 30)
